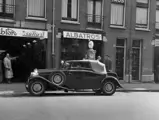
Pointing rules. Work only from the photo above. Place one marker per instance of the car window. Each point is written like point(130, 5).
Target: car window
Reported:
point(81, 65)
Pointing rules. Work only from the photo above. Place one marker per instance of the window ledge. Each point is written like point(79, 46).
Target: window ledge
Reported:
point(118, 27)
point(94, 29)
point(36, 18)
point(70, 22)
point(7, 20)
point(142, 29)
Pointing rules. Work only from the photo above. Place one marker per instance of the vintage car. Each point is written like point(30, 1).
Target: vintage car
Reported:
point(74, 75)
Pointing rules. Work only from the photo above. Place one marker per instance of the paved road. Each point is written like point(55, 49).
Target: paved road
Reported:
point(120, 106)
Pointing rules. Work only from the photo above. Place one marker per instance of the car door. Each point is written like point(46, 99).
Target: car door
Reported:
point(75, 76)
point(91, 79)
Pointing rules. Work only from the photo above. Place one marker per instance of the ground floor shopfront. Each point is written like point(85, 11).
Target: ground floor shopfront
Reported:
point(132, 59)
point(73, 45)
point(29, 46)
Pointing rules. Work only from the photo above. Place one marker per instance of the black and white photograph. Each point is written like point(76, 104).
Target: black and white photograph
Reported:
point(79, 59)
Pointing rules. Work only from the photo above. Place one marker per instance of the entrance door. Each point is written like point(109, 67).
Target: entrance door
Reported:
point(120, 57)
point(136, 59)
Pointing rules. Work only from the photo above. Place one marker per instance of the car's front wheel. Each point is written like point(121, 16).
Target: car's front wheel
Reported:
point(37, 87)
point(109, 88)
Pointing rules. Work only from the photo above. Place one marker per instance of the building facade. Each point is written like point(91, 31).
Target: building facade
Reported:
point(25, 32)
point(120, 29)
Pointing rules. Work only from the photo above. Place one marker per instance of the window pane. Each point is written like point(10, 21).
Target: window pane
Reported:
point(142, 1)
point(141, 16)
point(1, 5)
point(98, 11)
point(74, 9)
point(9, 6)
point(157, 15)
point(117, 14)
point(90, 10)
point(64, 8)
point(36, 8)
point(157, 3)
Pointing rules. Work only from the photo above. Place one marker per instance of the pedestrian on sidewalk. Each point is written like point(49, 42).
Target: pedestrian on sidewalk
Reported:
point(8, 67)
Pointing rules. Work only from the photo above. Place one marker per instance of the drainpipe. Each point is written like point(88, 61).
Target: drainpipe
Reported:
point(53, 33)
point(130, 44)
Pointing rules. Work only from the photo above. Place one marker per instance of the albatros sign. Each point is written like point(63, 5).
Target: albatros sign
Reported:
point(23, 33)
point(80, 35)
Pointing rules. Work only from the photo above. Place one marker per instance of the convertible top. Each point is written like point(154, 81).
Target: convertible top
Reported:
point(96, 65)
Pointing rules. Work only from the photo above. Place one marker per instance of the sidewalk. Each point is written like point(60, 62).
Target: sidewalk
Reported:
point(127, 87)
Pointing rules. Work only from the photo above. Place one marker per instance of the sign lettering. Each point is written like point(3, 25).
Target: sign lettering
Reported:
point(80, 35)
point(23, 32)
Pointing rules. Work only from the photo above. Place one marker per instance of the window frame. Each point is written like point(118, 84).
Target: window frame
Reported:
point(69, 20)
point(94, 11)
point(4, 15)
point(124, 14)
point(143, 5)
point(157, 9)
point(36, 17)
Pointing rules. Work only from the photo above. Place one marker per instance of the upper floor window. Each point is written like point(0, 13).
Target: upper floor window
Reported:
point(7, 8)
point(117, 12)
point(36, 8)
point(142, 8)
point(70, 10)
point(157, 14)
point(94, 11)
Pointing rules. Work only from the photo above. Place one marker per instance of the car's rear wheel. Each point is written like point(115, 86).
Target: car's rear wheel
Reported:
point(109, 88)
point(57, 79)
point(37, 87)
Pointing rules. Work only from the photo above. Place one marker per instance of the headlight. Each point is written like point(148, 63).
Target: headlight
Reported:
point(34, 73)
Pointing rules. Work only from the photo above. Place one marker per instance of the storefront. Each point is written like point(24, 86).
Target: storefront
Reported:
point(74, 45)
point(26, 44)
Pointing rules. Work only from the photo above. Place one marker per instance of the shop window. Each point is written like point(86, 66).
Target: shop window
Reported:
point(157, 14)
point(117, 13)
point(142, 10)
point(36, 8)
point(94, 11)
point(70, 10)
point(7, 8)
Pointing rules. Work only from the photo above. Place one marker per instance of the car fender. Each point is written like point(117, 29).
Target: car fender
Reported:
point(40, 77)
point(112, 79)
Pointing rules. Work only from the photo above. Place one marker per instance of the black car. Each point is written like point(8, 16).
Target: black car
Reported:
point(74, 75)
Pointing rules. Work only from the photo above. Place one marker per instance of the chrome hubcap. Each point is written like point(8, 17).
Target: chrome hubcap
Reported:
point(37, 87)
point(108, 87)
point(57, 79)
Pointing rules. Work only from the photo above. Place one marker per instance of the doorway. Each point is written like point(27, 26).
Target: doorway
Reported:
point(120, 57)
point(136, 59)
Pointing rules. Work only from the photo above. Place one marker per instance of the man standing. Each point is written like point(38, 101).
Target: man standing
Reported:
point(8, 68)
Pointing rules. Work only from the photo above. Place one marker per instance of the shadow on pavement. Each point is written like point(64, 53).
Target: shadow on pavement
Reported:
point(52, 95)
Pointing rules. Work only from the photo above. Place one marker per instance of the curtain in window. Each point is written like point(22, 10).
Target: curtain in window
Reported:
point(141, 16)
point(157, 18)
point(36, 8)
point(1, 5)
point(9, 6)
point(64, 8)
point(157, 3)
point(98, 11)
point(74, 9)
point(117, 14)
point(90, 10)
